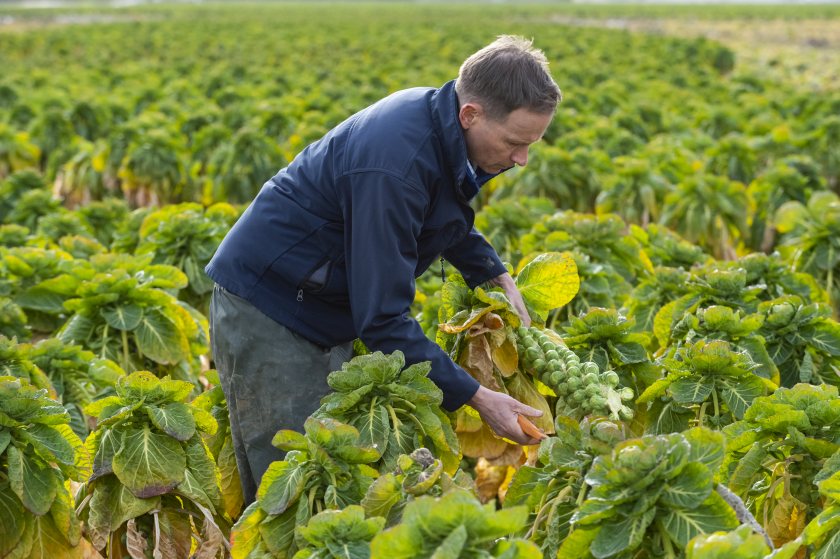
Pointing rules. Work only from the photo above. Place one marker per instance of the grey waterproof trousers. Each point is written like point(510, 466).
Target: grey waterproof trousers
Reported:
point(272, 379)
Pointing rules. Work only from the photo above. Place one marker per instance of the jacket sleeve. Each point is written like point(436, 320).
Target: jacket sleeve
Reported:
point(383, 217)
point(475, 259)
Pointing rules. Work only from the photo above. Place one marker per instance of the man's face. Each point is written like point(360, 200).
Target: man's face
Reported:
point(495, 145)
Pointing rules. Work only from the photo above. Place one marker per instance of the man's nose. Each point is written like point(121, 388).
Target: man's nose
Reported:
point(520, 156)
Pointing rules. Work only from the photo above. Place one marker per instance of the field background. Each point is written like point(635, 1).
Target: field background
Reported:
point(690, 180)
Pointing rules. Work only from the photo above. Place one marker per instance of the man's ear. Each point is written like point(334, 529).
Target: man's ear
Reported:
point(468, 113)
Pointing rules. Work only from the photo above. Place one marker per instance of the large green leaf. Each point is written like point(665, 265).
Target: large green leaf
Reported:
point(623, 534)
point(39, 298)
point(689, 489)
point(374, 426)
point(826, 337)
point(11, 519)
point(281, 485)
point(452, 545)
point(175, 419)
point(148, 463)
point(739, 394)
point(123, 317)
point(159, 338)
point(527, 487)
point(576, 545)
point(278, 532)
point(50, 442)
point(5, 439)
point(230, 483)
point(200, 463)
point(382, 495)
point(712, 516)
point(549, 281)
point(667, 417)
point(34, 482)
point(707, 447)
point(286, 439)
point(104, 444)
point(691, 390)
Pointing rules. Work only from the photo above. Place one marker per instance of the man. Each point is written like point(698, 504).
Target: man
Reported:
point(329, 249)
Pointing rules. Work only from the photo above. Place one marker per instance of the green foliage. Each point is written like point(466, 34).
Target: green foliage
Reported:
point(666, 248)
point(184, 236)
point(741, 543)
point(76, 374)
point(455, 525)
point(416, 475)
point(39, 281)
point(15, 361)
point(717, 322)
point(654, 493)
point(505, 221)
point(552, 488)
point(776, 451)
point(802, 340)
point(150, 461)
point(396, 409)
point(708, 210)
point(344, 533)
point(38, 454)
point(701, 377)
point(125, 314)
point(220, 444)
point(606, 338)
point(326, 468)
point(809, 239)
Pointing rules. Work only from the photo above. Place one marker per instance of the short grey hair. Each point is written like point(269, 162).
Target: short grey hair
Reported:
point(506, 75)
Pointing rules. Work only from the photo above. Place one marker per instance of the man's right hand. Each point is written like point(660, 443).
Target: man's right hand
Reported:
point(500, 412)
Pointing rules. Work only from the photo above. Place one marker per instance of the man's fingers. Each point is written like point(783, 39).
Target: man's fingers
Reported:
point(525, 409)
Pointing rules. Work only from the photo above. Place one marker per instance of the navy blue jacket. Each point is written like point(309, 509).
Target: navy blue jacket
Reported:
point(331, 245)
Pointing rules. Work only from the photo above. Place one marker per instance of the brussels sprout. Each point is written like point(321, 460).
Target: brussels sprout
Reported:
point(592, 389)
point(626, 393)
point(597, 402)
point(572, 360)
point(532, 354)
point(590, 368)
point(574, 383)
point(611, 378)
point(552, 355)
point(557, 377)
point(539, 365)
point(573, 371)
point(579, 396)
point(591, 378)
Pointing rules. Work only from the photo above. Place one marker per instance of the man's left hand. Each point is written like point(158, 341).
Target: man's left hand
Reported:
point(505, 281)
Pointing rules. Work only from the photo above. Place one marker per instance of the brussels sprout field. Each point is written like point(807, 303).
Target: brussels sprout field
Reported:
point(675, 236)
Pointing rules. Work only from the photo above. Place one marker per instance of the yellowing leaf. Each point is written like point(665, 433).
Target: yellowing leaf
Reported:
point(549, 281)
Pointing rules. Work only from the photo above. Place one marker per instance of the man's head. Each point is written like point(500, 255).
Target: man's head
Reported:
point(507, 99)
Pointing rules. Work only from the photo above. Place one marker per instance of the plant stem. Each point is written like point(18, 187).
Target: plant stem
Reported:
point(715, 401)
point(104, 342)
point(666, 540)
point(541, 508)
point(125, 350)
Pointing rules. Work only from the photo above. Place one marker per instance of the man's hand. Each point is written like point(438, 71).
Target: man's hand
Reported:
point(505, 281)
point(501, 412)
